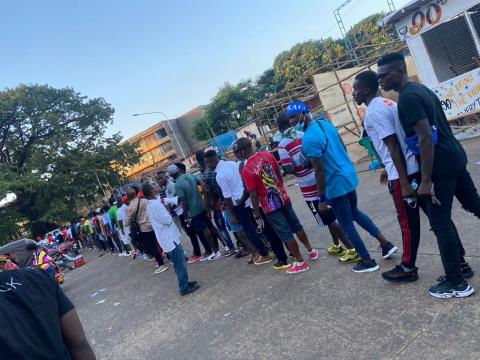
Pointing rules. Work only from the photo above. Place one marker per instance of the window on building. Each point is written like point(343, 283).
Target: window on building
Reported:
point(150, 141)
point(161, 133)
point(146, 158)
point(157, 154)
point(167, 147)
point(451, 48)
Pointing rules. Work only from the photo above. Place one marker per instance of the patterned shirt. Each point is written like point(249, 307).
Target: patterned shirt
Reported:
point(290, 153)
point(262, 173)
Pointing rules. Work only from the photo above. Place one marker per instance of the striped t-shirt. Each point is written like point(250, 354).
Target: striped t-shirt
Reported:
point(290, 153)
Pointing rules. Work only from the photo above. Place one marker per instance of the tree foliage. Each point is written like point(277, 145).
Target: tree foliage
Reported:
point(368, 32)
point(52, 148)
point(230, 107)
point(292, 65)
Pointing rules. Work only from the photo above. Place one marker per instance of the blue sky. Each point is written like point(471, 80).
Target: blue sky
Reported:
point(154, 55)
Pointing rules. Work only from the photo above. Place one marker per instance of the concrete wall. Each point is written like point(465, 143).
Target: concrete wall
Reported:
point(183, 126)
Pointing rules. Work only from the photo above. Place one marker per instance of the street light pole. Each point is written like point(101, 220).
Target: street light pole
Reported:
point(169, 124)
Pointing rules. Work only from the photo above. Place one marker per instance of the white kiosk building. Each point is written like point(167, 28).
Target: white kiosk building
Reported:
point(443, 37)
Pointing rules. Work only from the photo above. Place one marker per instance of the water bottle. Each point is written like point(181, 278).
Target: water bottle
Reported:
point(412, 201)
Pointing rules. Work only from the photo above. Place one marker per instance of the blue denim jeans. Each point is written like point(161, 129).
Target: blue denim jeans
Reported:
point(222, 228)
point(346, 211)
point(177, 257)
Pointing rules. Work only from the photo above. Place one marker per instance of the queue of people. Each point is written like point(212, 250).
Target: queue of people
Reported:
point(424, 167)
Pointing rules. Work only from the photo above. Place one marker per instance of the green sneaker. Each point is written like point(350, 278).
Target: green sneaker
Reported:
point(336, 250)
point(349, 257)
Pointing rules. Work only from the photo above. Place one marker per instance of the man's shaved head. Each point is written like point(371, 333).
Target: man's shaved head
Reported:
point(148, 191)
point(131, 194)
point(242, 144)
point(243, 148)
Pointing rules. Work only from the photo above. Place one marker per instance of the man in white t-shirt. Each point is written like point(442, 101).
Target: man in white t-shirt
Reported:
point(401, 168)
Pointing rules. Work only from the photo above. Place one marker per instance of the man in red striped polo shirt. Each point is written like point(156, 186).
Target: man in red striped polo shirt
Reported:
point(290, 153)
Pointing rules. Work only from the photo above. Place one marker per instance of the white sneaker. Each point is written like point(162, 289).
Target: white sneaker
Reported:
point(205, 258)
point(161, 269)
point(215, 256)
point(128, 253)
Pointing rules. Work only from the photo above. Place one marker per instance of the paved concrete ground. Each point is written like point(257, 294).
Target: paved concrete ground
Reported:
point(254, 312)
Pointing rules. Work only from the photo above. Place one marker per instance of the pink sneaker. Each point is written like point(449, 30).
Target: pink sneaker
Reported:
point(314, 254)
point(297, 268)
point(194, 259)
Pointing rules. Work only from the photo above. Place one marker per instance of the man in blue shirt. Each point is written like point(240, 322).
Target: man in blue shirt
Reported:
point(337, 180)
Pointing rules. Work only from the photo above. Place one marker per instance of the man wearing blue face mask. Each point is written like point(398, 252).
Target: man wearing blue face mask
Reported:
point(336, 182)
point(289, 151)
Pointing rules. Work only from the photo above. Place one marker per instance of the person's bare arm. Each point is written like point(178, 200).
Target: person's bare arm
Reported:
point(255, 203)
point(321, 182)
point(209, 202)
point(425, 144)
point(74, 337)
point(256, 208)
point(398, 159)
point(184, 206)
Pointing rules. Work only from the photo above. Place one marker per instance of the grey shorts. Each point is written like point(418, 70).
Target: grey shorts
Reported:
point(285, 222)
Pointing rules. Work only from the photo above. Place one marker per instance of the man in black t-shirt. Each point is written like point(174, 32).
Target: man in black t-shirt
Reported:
point(443, 170)
point(37, 320)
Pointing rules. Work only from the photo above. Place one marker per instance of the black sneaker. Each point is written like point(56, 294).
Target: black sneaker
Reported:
point(398, 274)
point(192, 283)
point(467, 272)
point(190, 289)
point(366, 266)
point(446, 290)
point(388, 249)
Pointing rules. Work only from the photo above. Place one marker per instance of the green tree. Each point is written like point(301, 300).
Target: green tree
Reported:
point(200, 130)
point(293, 67)
point(368, 33)
point(267, 84)
point(52, 148)
point(230, 107)
point(227, 110)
